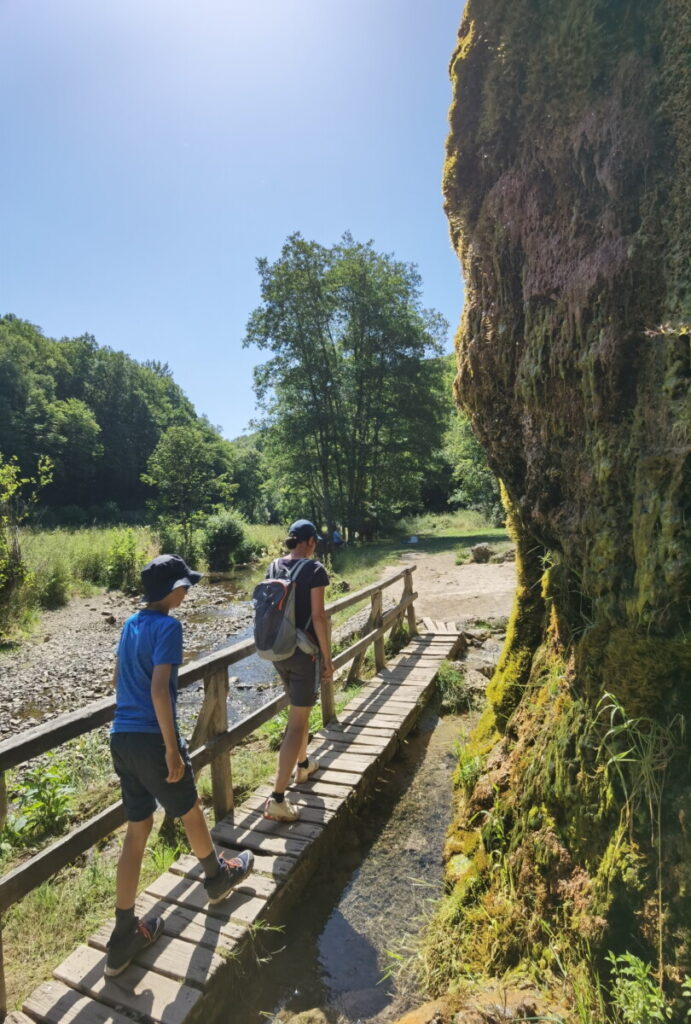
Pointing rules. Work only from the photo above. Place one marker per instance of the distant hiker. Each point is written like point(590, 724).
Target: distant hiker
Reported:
point(337, 539)
point(151, 758)
point(302, 672)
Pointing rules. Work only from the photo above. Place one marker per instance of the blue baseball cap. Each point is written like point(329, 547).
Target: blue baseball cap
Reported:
point(303, 529)
point(164, 573)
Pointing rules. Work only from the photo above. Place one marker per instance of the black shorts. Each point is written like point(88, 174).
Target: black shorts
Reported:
point(140, 761)
point(301, 677)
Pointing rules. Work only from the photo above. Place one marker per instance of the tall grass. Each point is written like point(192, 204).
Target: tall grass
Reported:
point(62, 562)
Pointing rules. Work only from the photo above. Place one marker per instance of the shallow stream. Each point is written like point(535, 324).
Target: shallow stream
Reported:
point(336, 947)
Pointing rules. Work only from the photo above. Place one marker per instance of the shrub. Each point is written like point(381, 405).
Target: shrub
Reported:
point(224, 540)
point(52, 587)
point(173, 539)
point(123, 561)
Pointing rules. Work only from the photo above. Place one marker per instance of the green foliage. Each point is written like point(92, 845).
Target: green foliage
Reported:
point(636, 999)
point(17, 494)
point(354, 405)
point(189, 470)
point(124, 561)
point(44, 797)
point(452, 688)
point(225, 541)
point(97, 413)
point(175, 539)
point(476, 485)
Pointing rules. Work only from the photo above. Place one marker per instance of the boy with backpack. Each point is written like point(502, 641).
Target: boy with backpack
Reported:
point(291, 629)
point(152, 760)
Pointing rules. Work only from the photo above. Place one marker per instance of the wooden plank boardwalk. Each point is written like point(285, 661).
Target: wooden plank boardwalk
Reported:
point(186, 974)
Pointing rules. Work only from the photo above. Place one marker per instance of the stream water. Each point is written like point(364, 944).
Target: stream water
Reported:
point(336, 948)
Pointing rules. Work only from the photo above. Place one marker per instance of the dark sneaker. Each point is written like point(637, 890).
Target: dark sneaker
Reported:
point(121, 953)
point(231, 874)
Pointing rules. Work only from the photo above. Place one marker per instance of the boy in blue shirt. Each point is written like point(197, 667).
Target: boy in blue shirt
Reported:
point(152, 760)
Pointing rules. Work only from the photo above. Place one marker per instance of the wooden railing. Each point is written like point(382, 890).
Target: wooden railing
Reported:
point(211, 742)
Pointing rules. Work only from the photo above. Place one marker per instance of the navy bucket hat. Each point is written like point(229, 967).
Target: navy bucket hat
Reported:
point(165, 573)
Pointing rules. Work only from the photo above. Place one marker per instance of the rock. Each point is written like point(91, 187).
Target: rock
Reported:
point(480, 553)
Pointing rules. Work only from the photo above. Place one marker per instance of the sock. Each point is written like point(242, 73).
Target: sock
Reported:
point(210, 864)
point(278, 797)
point(125, 922)
point(304, 764)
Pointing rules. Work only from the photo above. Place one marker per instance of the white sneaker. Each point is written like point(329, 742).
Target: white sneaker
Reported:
point(283, 811)
point(303, 774)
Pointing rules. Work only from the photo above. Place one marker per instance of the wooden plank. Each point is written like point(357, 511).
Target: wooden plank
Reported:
point(355, 744)
point(249, 839)
point(338, 784)
point(145, 992)
point(254, 820)
point(328, 804)
point(178, 889)
point(256, 885)
point(17, 1017)
point(309, 811)
point(51, 734)
point(348, 731)
point(192, 925)
point(45, 864)
point(174, 958)
point(56, 1003)
point(336, 760)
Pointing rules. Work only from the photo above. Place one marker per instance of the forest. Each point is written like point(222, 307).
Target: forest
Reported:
point(92, 438)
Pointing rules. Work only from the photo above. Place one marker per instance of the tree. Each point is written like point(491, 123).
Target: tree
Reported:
point(353, 403)
point(190, 472)
point(567, 188)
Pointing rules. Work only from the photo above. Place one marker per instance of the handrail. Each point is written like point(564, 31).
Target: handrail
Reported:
point(212, 732)
point(52, 734)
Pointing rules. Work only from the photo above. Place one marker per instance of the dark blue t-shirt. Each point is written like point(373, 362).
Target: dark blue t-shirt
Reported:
point(148, 638)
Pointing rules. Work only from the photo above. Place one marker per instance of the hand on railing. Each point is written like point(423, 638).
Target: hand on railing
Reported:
point(327, 668)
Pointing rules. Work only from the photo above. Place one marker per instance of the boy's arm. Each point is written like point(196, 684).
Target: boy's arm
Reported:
point(160, 696)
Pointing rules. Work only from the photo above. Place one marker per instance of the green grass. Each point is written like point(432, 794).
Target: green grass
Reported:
point(64, 562)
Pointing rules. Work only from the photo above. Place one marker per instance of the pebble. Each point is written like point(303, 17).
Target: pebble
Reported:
point(69, 661)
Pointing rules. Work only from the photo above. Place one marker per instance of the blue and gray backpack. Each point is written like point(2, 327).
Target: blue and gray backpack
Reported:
point(275, 633)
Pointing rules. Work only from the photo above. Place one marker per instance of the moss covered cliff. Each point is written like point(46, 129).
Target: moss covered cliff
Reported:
point(568, 193)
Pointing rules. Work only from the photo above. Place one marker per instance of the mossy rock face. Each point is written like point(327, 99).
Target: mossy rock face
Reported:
point(568, 192)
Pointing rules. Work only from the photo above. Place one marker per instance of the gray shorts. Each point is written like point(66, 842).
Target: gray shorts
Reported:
point(301, 674)
point(140, 761)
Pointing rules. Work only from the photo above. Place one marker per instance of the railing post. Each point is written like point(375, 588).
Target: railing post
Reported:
point(356, 666)
point(3, 986)
point(377, 616)
point(410, 610)
point(327, 688)
point(216, 692)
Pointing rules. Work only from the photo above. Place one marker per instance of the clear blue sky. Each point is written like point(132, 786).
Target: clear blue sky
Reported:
point(152, 149)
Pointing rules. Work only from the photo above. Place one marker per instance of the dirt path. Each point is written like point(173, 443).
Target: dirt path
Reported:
point(458, 593)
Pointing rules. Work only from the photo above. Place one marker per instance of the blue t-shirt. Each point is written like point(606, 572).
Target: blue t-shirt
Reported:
point(148, 638)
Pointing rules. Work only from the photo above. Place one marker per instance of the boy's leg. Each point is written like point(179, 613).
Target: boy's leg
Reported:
point(222, 873)
point(130, 935)
point(130, 863)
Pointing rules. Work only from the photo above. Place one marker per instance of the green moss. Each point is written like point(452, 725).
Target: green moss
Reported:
point(526, 622)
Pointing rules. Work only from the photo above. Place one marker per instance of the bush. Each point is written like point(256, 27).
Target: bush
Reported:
point(52, 587)
point(123, 561)
point(172, 540)
point(224, 540)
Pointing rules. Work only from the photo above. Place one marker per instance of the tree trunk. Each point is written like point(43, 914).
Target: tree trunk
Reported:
point(567, 191)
